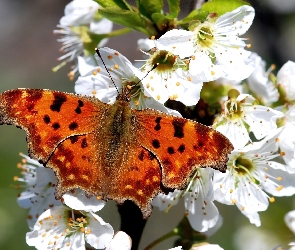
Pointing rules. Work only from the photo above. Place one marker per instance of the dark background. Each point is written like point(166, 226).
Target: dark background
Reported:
point(28, 51)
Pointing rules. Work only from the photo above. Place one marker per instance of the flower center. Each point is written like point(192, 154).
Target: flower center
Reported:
point(205, 36)
point(77, 221)
point(243, 165)
point(164, 60)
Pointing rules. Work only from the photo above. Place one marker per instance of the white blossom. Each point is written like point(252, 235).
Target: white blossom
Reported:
point(97, 81)
point(241, 115)
point(286, 80)
point(74, 27)
point(63, 228)
point(250, 174)
point(198, 201)
point(121, 241)
point(214, 46)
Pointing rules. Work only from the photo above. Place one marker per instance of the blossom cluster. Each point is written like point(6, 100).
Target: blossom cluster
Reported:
point(257, 115)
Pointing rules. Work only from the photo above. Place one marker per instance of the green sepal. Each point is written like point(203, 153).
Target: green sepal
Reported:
point(195, 15)
point(174, 8)
point(222, 6)
point(130, 19)
point(163, 23)
point(114, 3)
point(148, 7)
point(213, 93)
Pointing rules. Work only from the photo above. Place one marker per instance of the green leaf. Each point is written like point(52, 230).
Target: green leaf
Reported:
point(149, 7)
point(222, 6)
point(174, 8)
point(161, 21)
point(128, 18)
point(114, 3)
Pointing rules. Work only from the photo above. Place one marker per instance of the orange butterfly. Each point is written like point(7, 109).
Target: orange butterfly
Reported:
point(112, 151)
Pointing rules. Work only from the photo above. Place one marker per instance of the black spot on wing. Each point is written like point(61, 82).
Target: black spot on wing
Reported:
point(84, 143)
point(78, 110)
point(55, 125)
point(59, 99)
point(74, 139)
point(46, 119)
point(80, 103)
point(181, 148)
point(178, 125)
point(156, 143)
point(158, 125)
point(170, 150)
point(73, 126)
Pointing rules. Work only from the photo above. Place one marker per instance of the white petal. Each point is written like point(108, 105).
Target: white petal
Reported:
point(290, 220)
point(121, 241)
point(286, 78)
point(237, 21)
point(79, 201)
point(101, 233)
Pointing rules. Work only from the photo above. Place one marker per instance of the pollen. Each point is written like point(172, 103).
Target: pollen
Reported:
point(98, 70)
point(230, 190)
point(279, 178)
point(178, 84)
point(116, 66)
point(136, 103)
point(282, 154)
point(98, 197)
point(158, 97)
point(128, 187)
point(277, 139)
point(15, 178)
point(94, 73)
point(152, 88)
point(212, 73)
point(153, 37)
point(233, 201)
point(189, 79)
point(110, 57)
point(279, 188)
point(271, 199)
point(147, 85)
point(116, 53)
point(193, 57)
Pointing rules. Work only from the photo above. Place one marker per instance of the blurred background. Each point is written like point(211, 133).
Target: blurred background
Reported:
point(28, 52)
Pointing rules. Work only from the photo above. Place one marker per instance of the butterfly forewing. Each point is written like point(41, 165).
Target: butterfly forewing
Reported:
point(181, 145)
point(49, 117)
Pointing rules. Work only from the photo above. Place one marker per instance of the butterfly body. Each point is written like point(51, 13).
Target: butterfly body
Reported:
point(112, 151)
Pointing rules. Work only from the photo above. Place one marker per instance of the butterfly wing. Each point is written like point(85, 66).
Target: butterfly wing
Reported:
point(49, 117)
point(180, 145)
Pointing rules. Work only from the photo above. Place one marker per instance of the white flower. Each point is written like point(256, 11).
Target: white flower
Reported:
point(290, 220)
point(205, 246)
point(97, 81)
point(168, 78)
point(198, 200)
point(121, 241)
point(259, 83)
point(63, 228)
point(241, 115)
point(286, 80)
point(252, 172)
point(214, 46)
point(79, 21)
point(40, 185)
point(146, 44)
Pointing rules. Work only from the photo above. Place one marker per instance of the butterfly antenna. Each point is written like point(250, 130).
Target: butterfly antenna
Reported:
point(98, 53)
point(155, 66)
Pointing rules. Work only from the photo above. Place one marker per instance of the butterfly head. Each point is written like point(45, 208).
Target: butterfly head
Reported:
point(124, 96)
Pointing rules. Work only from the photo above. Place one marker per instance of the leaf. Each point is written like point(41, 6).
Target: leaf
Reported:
point(149, 7)
point(222, 6)
point(161, 21)
point(174, 8)
point(127, 18)
point(114, 3)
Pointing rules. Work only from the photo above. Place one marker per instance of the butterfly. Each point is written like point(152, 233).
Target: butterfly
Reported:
point(112, 151)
